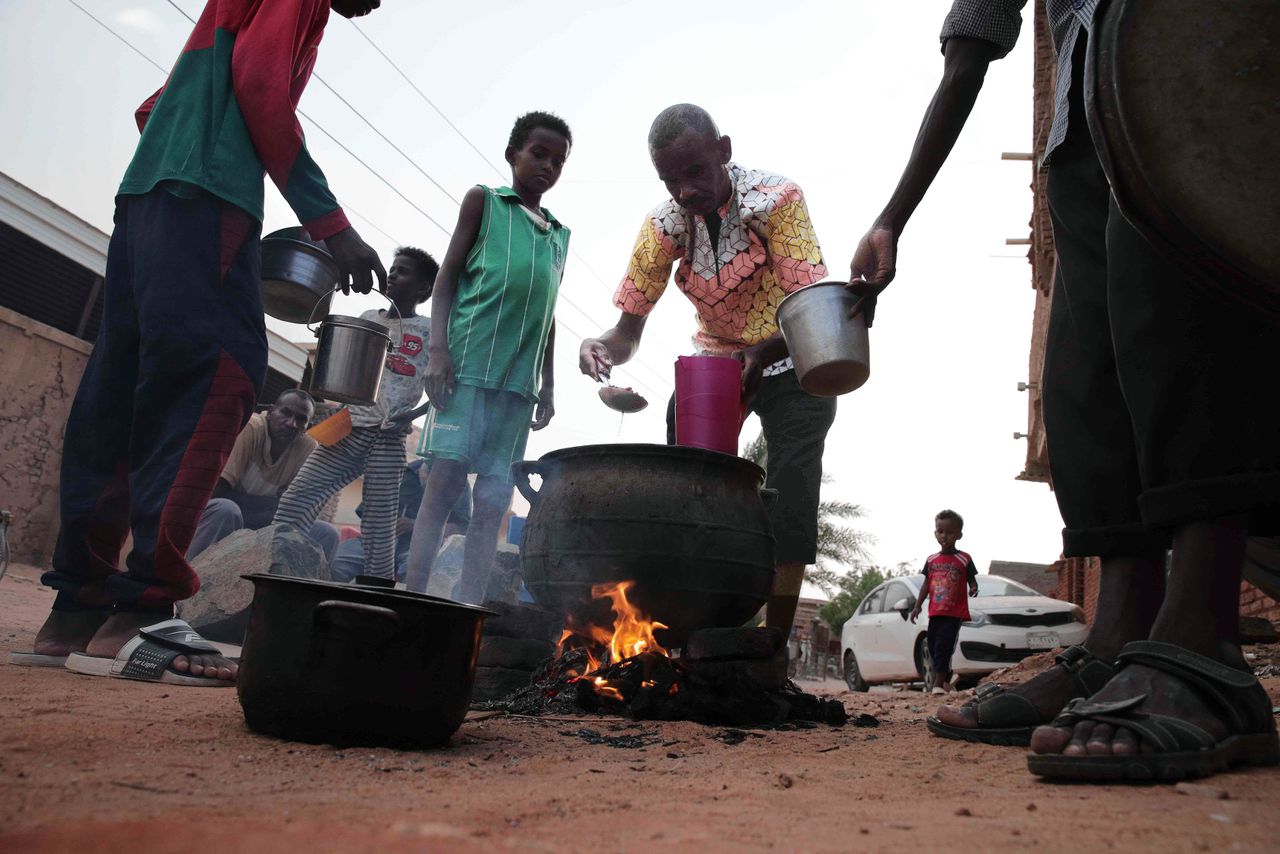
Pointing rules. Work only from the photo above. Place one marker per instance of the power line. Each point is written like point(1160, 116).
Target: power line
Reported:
point(572, 251)
point(337, 142)
point(424, 97)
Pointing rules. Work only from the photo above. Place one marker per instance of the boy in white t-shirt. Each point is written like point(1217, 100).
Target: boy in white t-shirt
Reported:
point(375, 446)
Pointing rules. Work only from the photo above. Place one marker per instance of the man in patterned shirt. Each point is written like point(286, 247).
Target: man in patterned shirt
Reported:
point(1160, 435)
point(743, 241)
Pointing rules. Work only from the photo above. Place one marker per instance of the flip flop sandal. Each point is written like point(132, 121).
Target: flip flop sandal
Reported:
point(1007, 719)
point(1183, 750)
point(35, 659)
point(148, 655)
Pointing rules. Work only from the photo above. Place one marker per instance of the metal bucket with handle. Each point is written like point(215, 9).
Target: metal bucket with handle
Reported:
point(350, 354)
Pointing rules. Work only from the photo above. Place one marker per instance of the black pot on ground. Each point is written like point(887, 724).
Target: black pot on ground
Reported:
point(355, 664)
point(689, 527)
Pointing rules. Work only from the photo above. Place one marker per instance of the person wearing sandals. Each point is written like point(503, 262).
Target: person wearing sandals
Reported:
point(948, 576)
point(1161, 434)
point(182, 351)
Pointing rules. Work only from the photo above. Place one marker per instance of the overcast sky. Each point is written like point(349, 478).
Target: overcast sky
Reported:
point(830, 94)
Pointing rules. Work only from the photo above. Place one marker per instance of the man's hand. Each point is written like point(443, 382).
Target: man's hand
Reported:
point(915, 613)
point(545, 410)
point(357, 262)
point(752, 371)
point(404, 526)
point(594, 359)
point(440, 379)
point(973, 589)
point(875, 263)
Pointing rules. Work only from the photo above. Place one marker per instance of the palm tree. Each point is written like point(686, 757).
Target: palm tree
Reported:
point(839, 543)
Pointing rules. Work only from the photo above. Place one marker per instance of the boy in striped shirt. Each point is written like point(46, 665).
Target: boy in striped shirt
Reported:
point(492, 339)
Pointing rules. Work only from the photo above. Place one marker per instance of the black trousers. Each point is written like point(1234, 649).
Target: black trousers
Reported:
point(795, 426)
point(1160, 401)
point(941, 637)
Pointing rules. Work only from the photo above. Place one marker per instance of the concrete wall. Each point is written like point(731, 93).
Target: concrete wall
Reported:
point(40, 368)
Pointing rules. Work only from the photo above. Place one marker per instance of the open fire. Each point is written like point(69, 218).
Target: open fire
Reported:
point(725, 676)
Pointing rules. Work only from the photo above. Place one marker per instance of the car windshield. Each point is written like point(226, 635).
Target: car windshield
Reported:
point(991, 586)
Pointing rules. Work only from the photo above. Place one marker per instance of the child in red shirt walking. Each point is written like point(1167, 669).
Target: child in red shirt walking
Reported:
point(946, 575)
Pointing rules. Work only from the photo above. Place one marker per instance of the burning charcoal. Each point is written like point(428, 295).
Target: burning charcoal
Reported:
point(514, 653)
point(723, 644)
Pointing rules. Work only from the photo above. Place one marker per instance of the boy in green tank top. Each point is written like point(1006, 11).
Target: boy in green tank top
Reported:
point(492, 338)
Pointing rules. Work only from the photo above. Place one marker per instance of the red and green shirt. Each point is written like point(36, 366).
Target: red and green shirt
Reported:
point(227, 113)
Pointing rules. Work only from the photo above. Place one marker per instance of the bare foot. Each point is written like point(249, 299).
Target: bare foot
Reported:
point(65, 632)
point(123, 627)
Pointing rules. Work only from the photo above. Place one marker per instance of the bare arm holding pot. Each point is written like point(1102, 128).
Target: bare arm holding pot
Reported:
point(440, 378)
point(875, 260)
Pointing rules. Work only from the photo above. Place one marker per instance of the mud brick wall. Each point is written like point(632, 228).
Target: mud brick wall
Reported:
point(42, 367)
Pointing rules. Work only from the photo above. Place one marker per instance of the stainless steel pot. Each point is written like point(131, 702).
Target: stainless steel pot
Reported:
point(350, 354)
point(832, 353)
point(349, 359)
point(296, 272)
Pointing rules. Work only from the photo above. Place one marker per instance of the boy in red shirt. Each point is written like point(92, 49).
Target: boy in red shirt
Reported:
point(946, 575)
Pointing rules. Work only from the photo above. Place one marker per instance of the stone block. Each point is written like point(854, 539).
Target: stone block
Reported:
point(529, 622)
point(494, 683)
point(220, 609)
point(515, 653)
point(724, 643)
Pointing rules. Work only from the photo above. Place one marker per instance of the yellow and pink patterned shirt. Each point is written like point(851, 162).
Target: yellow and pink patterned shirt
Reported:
point(767, 250)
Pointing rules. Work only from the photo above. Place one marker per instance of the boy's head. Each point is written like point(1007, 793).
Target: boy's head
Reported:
point(537, 149)
point(690, 155)
point(412, 275)
point(948, 527)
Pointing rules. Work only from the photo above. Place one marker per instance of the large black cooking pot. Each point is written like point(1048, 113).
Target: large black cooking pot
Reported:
point(352, 664)
point(688, 526)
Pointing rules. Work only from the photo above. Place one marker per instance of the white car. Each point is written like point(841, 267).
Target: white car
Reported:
point(1010, 621)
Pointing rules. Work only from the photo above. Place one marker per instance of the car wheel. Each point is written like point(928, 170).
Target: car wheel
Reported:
point(924, 662)
point(852, 675)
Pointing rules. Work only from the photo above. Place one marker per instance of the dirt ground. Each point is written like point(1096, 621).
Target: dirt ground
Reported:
point(112, 765)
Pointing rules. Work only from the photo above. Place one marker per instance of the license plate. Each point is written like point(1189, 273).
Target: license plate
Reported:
point(1042, 640)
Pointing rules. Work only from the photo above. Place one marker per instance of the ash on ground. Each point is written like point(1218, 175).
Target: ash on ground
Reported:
point(651, 686)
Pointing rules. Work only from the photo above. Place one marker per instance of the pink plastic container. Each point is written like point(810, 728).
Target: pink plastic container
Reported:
point(709, 410)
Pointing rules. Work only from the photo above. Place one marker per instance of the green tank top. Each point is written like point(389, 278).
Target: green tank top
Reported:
point(506, 298)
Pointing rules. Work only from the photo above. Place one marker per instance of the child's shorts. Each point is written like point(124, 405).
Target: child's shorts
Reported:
point(487, 429)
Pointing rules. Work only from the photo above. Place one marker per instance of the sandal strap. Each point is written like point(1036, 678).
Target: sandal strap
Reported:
point(1233, 692)
point(1089, 672)
point(997, 708)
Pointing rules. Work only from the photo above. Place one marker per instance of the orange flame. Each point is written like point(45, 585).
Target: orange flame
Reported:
point(630, 635)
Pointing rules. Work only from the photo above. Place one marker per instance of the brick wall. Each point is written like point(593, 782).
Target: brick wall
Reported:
point(1255, 603)
point(1078, 583)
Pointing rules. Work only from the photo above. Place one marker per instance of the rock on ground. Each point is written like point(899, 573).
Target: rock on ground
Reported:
point(220, 610)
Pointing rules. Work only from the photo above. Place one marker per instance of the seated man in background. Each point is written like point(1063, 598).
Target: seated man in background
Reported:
point(267, 455)
point(349, 560)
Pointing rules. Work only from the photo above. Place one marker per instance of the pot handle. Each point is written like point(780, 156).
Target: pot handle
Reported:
point(520, 471)
point(370, 621)
point(770, 498)
point(391, 345)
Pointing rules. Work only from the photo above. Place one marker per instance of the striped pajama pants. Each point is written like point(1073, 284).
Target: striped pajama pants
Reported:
point(379, 456)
